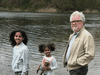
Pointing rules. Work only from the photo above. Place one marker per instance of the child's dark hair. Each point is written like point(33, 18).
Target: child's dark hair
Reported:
point(42, 47)
point(13, 43)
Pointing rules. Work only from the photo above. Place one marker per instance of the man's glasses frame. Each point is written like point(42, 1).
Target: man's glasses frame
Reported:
point(76, 21)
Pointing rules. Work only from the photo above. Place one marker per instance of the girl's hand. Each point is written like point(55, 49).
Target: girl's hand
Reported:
point(46, 68)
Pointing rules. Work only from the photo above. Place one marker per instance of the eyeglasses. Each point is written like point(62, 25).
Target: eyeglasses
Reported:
point(76, 21)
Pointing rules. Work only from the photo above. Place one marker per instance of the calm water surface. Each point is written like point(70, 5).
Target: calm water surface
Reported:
point(44, 28)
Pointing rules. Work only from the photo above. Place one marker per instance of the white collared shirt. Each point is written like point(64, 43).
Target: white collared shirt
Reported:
point(70, 45)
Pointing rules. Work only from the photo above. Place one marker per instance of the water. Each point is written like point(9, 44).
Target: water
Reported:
point(43, 28)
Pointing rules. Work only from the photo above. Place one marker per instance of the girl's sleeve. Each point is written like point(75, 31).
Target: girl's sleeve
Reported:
point(25, 58)
point(54, 64)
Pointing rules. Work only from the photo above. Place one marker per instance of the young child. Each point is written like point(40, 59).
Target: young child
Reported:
point(47, 70)
point(20, 62)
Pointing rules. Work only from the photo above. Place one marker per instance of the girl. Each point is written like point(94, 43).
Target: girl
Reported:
point(48, 57)
point(20, 62)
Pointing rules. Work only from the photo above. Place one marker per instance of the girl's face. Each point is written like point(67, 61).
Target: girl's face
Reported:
point(18, 38)
point(47, 52)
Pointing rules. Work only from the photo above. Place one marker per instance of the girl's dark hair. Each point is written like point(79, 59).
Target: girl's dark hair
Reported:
point(42, 47)
point(13, 43)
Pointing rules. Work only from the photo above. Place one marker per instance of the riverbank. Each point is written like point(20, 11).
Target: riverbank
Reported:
point(46, 10)
point(5, 69)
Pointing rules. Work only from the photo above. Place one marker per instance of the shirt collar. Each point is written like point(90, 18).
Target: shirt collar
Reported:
point(76, 33)
point(19, 45)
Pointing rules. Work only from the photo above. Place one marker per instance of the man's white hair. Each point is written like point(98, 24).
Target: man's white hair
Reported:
point(82, 16)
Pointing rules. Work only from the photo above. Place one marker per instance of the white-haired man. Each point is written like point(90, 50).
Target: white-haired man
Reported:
point(80, 48)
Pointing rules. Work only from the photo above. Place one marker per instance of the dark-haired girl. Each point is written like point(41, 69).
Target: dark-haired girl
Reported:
point(20, 62)
point(46, 49)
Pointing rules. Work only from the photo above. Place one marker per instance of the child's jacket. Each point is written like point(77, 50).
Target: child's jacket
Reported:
point(20, 60)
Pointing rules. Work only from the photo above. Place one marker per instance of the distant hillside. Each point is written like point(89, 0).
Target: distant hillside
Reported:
point(50, 5)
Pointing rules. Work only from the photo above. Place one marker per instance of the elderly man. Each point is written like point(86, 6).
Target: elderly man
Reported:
point(80, 48)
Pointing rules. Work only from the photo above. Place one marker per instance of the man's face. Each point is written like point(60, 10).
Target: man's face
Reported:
point(76, 23)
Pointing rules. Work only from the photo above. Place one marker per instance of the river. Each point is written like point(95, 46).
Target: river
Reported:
point(44, 28)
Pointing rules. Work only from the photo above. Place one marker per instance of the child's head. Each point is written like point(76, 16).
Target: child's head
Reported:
point(50, 46)
point(18, 36)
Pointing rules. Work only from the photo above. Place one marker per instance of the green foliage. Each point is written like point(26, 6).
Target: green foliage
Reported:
point(60, 5)
point(25, 4)
point(10, 3)
point(64, 5)
point(97, 5)
point(38, 4)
